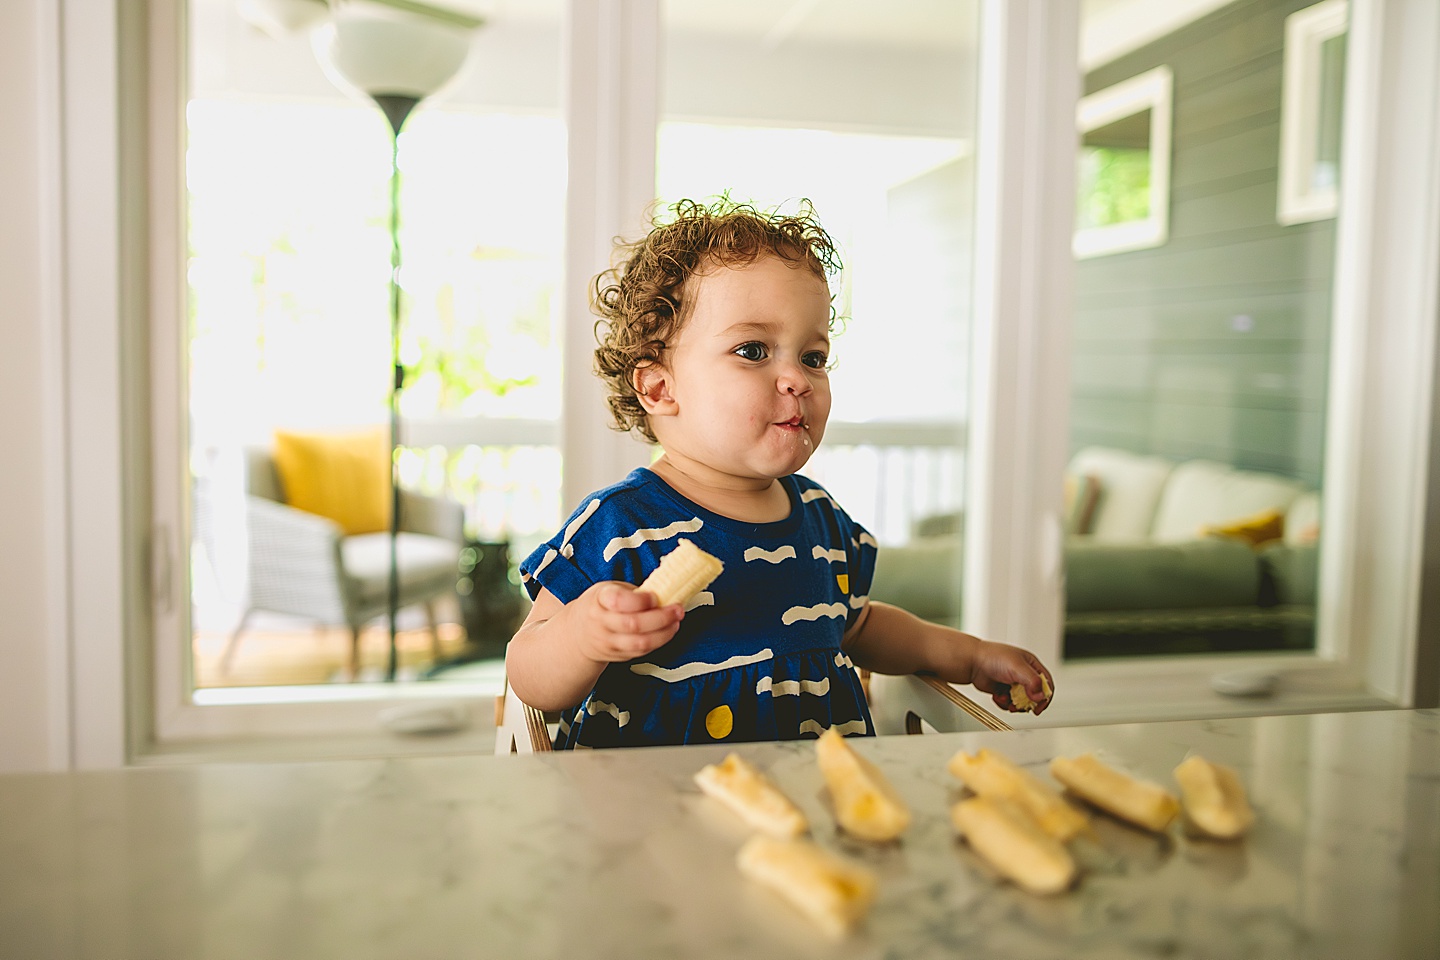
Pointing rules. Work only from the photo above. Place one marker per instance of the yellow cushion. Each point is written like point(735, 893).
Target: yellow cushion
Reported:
point(343, 476)
point(1261, 528)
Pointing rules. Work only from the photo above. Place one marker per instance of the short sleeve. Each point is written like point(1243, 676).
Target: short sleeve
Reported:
point(574, 560)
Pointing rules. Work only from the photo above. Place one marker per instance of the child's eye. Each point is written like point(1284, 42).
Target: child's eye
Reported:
point(815, 359)
point(753, 350)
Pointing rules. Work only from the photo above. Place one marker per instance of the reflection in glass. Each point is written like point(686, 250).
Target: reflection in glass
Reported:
point(1200, 366)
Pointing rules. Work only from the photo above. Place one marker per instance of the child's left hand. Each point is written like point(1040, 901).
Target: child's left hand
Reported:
point(997, 665)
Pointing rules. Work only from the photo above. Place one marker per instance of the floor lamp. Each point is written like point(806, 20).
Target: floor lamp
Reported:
point(396, 60)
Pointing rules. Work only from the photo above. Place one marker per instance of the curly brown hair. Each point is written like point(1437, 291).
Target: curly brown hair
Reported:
point(641, 302)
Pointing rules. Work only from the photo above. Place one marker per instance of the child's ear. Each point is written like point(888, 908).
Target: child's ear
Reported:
point(652, 386)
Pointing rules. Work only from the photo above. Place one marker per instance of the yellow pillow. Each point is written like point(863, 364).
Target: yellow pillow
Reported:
point(1261, 528)
point(343, 476)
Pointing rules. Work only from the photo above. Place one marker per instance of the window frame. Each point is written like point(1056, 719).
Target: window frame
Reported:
point(119, 449)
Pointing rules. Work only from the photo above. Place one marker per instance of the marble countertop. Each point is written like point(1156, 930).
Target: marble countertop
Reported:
point(617, 854)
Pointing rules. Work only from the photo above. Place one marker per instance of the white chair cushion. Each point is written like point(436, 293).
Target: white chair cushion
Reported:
point(1204, 493)
point(1130, 487)
point(422, 559)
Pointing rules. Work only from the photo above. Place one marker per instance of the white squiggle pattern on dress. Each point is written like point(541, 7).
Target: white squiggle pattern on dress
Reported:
point(834, 556)
point(565, 548)
point(817, 494)
point(844, 729)
point(622, 717)
point(788, 688)
point(790, 616)
point(651, 533)
point(843, 661)
point(688, 670)
point(867, 540)
point(702, 599)
point(859, 601)
point(786, 552)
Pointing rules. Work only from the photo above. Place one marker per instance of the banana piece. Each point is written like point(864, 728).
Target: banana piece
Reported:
point(1021, 700)
point(1014, 844)
point(1142, 803)
point(866, 805)
point(682, 573)
point(743, 788)
point(832, 892)
point(990, 774)
point(1214, 798)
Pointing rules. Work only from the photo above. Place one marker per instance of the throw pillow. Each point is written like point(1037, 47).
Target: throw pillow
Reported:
point(342, 476)
point(1261, 528)
point(1082, 492)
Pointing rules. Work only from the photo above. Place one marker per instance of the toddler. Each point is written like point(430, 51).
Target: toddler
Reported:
point(715, 344)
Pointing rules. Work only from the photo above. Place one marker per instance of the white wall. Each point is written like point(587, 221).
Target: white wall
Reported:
point(24, 679)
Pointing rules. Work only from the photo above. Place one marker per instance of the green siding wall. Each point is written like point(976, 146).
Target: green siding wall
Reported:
point(1165, 360)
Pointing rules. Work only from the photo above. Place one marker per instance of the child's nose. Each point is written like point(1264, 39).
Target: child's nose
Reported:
point(794, 381)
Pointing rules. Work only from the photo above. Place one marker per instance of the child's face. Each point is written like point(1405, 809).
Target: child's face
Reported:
point(745, 388)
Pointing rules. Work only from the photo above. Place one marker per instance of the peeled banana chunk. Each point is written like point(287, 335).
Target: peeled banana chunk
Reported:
point(991, 774)
point(1008, 839)
point(1213, 798)
point(1021, 700)
point(1140, 802)
point(866, 804)
point(832, 892)
point(682, 573)
point(752, 795)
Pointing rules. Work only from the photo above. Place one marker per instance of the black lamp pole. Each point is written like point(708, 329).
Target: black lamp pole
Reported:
point(396, 107)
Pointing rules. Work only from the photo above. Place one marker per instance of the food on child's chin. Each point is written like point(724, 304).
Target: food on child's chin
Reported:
point(866, 805)
point(1012, 842)
point(832, 892)
point(748, 792)
point(682, 573)
point(1213, 798)
point(1021, 700)
point(1140, 802)
point(991, 774)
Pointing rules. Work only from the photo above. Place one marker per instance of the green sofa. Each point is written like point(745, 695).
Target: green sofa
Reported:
point(1143, 572)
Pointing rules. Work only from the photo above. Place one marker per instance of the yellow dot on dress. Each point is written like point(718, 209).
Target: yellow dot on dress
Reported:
point(844, 580)
point(719, 722)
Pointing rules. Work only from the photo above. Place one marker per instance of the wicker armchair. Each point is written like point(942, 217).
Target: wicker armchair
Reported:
point(303, 565)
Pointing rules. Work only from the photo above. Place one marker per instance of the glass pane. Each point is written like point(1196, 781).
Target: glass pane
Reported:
point(291, 330)
point(1114, 179)
point(1199, 375)
point(868, 112)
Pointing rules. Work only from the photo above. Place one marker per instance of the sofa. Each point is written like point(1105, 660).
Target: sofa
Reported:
point(1161, 556)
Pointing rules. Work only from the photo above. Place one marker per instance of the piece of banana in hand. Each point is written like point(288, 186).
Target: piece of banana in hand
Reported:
point(834, 893)
point(866, 805)
point(990, 774)
point(682, 573)
point(743, 788)
point(1213, 798)
point(1014, 844)
point(1021, 700)
point(1140, 802)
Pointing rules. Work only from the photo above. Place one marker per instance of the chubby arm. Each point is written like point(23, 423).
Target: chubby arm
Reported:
point(888, 639)
point(561, 649)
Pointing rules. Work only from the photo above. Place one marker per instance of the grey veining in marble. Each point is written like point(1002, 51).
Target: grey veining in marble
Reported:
point(617, 854)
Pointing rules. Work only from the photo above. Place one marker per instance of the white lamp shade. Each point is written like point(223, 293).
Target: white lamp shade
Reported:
point(381, 55)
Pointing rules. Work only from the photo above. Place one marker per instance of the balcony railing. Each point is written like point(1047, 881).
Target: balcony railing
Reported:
point(888, 474)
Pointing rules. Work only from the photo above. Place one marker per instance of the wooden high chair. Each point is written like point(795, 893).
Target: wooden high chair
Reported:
point(897, 705)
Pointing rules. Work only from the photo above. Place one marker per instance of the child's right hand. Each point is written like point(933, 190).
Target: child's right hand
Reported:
point(616, 622)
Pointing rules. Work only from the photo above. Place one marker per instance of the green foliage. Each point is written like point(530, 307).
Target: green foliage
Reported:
point(1114, 186)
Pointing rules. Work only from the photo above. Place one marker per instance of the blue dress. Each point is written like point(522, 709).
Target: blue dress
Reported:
point(757, 656)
